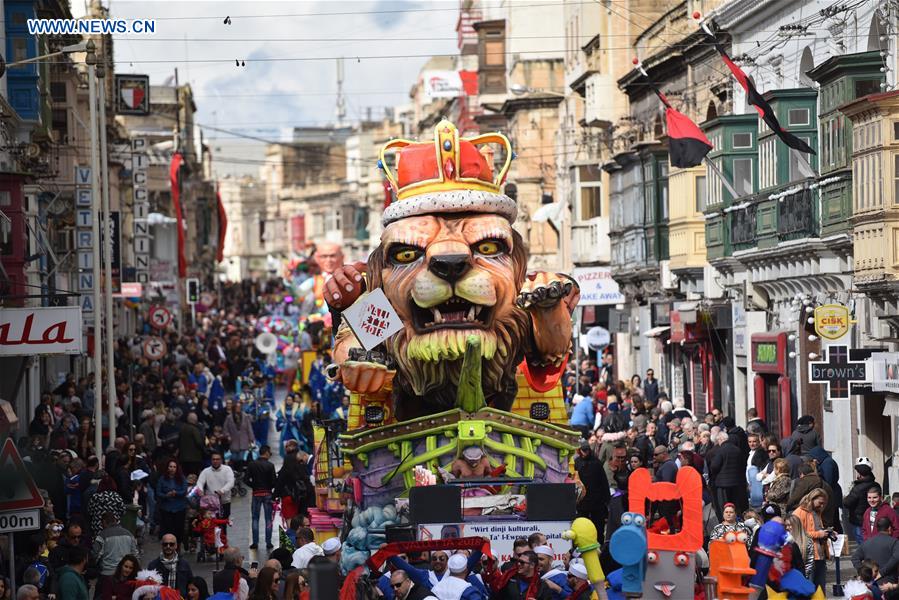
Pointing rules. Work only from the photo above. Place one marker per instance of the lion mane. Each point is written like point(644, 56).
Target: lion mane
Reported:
point(423, 387)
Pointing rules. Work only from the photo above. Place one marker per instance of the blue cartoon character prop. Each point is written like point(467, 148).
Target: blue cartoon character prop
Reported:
point(628, 547)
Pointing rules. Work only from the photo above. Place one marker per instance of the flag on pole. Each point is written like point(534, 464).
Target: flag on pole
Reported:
point(223, 225)
point(755, 98)
point(687, 144)
point(175, 181)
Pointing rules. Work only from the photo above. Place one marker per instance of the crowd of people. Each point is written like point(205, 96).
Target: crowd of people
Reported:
point(750, 474)
point(191, 432)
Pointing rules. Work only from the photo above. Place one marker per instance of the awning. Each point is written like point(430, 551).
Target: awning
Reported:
point(656, 331)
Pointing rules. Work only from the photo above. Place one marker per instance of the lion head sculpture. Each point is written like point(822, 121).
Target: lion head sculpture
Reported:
point(448, 277)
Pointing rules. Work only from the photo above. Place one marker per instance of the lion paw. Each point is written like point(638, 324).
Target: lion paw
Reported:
point(545, 290)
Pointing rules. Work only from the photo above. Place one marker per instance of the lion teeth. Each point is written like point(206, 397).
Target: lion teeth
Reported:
point(438, 318)
point(471, 313)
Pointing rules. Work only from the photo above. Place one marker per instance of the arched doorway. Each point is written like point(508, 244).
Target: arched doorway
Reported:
point(711, 112)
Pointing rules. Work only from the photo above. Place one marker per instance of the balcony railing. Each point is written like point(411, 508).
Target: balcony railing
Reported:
point(591, 241)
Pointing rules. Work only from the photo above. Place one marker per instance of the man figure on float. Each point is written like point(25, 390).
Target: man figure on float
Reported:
point(453, 267)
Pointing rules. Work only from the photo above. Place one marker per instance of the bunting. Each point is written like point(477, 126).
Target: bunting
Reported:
point(755, 98)
point(175, 180)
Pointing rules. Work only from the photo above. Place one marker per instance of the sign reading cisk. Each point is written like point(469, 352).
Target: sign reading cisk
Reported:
point(831, 321)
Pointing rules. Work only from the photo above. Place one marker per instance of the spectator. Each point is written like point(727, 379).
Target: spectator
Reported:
point(261, 479)
point(803, 550)
point(240, 431)
point(518, 587)
point(856, 501)
point(556, 579)
point(665, 468)
point(404, 588)
point(729, 524)
point(651, 388)
point(111, 546)
point(806, 432)
point(191, 446)
point(779, 488)
point(171, 494)
point(176, 572)
point(224, 579)
point(727, 469)
point(266, 585)
point(197, 589)
point(810, 512)
point(218, 479)
point(808, 481)
point(583, 415)
point(754, 424)
point(877, 509)
point(593, 505)
point(71, 584)
point(882, 548)
point(119, 586)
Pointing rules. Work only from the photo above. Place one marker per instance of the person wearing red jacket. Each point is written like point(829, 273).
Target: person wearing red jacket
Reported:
point(877, 508)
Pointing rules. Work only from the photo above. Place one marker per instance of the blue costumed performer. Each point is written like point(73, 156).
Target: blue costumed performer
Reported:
point(289, 421)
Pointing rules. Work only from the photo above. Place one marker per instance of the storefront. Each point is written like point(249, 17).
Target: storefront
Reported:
point(773, 399)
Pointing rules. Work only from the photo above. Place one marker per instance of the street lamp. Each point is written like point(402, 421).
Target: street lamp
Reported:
point(79, 47)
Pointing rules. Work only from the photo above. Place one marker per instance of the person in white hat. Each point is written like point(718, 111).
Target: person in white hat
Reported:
point(556, 579)
point(472, 463)
point(458, 585)
point(579, 582)
point(332, 549)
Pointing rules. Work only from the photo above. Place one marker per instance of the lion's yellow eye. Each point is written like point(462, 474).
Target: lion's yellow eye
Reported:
point(405, 255)
point(489, 247)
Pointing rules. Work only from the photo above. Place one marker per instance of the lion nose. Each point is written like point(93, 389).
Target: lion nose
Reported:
point(449, 267)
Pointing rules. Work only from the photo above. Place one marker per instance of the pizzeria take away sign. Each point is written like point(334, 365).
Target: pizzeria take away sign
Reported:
point(46, 330)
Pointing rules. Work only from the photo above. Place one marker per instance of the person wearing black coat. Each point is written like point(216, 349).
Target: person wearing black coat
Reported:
point(727, 469)
point(856, 501)
point(594, 504)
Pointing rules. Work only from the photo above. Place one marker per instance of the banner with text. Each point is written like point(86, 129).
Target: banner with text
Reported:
point(597, 286)
point(502, 534)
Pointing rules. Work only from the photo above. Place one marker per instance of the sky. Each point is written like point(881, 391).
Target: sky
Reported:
point(270, 95)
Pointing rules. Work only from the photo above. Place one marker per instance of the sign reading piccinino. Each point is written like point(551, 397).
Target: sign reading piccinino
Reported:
point(831, 321)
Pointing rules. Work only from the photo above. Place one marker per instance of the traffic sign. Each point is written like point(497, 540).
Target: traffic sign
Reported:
point(17, 489)
point(207, 298)
point(160, 317)
point(20, 520)
point(154, 348)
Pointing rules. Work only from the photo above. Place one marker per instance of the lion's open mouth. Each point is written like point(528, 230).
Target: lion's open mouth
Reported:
point(455, 313)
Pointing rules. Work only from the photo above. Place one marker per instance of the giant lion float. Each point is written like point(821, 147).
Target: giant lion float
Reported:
point(453, 267)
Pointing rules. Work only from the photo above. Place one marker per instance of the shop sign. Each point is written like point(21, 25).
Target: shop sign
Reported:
point(678, 333)
point(831, 321)
point(597, 286)
point(738, 317)
point(768, 353)
point(597, 338)
point(839, 370)
point(885, 372)
point(32, 331)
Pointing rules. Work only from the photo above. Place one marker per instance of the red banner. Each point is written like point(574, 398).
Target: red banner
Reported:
point(223, 225)
point(174, 170)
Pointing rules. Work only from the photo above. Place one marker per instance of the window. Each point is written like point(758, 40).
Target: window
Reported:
point(262, 232)
point(743, 176)
point(663, 191)
point(60, 125)
point(58, 91)
point(896, 131)
point(590, 188)
point(896, 179)
point(799, 165)
point(798, 116)
point(742, 140)
point(19, 49)
point(767, 165)
point(863, 87)
point(701, 193)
